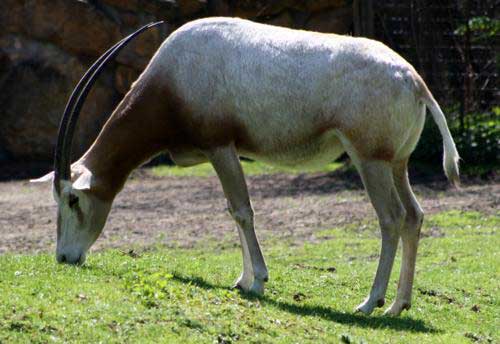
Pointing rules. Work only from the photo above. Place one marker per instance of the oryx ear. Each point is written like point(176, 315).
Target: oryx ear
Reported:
point(46, 178)
point(84, 181)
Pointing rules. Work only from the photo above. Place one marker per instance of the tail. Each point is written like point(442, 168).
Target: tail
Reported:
point(450, 156)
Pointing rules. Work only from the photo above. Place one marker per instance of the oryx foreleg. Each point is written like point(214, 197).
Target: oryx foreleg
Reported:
point(227, 165)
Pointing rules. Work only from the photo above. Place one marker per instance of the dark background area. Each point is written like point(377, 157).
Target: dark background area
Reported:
point(46, 45)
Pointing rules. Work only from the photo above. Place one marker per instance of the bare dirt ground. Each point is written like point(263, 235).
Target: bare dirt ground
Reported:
point(185, 211)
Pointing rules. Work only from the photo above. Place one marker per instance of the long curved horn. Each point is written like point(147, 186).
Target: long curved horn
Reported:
point(63, 125)
point(62, 159)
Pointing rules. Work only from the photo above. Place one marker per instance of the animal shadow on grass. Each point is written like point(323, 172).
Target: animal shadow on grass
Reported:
point(196, 281)
point(375, 322)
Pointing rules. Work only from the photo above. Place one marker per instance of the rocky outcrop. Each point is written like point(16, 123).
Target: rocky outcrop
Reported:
point(33, 91)
point(46, 45)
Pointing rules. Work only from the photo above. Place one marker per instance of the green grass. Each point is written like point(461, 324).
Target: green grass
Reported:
point(250, 168)
point(180, 295)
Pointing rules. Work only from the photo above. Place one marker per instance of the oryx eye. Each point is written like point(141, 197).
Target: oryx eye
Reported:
point(72, 200)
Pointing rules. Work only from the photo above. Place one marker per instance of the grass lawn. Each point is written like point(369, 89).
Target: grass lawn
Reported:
point(179, 295)
point(250, 167)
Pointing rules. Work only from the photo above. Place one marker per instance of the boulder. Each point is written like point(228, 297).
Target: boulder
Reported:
point(284, 19)
point(319, 5)
point(257, 8)
point(33, 94)
point(331, 20)
point(219, 8)
point(124, 77)
point(129, 5)
point(74, 26)
point(189, 8)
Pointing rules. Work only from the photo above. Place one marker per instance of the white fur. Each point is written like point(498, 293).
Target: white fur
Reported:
point(49, 177)
point(283, 83)
point(84, 181)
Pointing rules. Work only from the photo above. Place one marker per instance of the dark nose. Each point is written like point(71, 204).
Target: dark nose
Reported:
point(61, 258)
point(65, 259)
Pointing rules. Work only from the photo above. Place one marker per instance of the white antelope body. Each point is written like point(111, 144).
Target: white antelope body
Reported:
point(222, 87)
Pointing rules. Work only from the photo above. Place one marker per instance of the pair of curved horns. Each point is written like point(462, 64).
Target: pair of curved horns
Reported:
point(67, 126)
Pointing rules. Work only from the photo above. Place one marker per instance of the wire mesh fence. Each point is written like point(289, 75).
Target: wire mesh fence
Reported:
point(455, 47)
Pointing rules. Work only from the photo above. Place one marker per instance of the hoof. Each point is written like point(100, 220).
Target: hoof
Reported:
point(368, 306)
point(237, 286)
point(243, 283)
point(396, 308)
point(365, 308)
point(257, 287)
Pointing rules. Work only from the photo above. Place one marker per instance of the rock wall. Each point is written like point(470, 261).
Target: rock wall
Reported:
point(46, 46)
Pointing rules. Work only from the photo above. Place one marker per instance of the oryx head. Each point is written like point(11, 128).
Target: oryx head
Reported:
point(82, 210)
point(81, 213)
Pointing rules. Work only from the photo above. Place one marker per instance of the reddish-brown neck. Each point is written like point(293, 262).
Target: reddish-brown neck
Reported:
point(135, 132)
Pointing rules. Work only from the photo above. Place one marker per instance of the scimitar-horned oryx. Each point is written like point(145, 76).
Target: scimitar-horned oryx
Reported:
point(220, 88)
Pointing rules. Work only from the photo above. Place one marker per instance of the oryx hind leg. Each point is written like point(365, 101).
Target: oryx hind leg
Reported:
point(410, 233)
point(377, 178)
point(227, 165)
